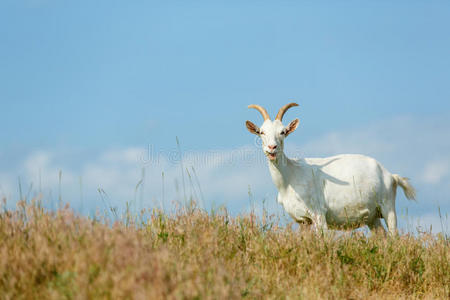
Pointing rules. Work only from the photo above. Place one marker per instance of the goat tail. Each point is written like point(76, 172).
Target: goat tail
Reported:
point(408, 189)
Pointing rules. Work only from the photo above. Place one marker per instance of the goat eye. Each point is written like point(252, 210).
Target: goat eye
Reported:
point(283, 132)
point(261, 132)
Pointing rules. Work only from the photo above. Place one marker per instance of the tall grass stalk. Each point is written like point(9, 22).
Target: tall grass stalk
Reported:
point(182, 171)
point(163, 196)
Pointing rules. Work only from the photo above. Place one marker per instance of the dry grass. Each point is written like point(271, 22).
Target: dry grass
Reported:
point(48, 255)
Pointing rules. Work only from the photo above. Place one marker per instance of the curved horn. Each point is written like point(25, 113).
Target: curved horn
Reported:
point(283, 110)
point(261, 109)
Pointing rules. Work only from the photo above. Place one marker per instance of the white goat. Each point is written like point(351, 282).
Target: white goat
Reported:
point(343, 191)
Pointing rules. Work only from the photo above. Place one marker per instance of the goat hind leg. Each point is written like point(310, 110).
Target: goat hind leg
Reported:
point(390, 217)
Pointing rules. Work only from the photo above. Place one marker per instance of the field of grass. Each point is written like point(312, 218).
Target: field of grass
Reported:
point(198, 255)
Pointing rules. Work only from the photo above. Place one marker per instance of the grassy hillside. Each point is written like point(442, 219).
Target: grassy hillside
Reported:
point(193, 254)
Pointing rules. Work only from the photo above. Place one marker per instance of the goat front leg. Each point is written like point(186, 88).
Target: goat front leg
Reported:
point(320, 223)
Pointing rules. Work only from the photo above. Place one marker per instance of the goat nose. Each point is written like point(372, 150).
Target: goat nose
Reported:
point(272, 147)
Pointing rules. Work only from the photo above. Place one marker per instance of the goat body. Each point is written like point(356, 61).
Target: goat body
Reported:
point(344, 191)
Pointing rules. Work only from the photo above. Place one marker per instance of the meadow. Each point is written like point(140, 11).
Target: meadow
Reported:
point(194, 254)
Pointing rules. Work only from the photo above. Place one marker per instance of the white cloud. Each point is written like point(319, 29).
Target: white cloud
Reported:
point(6, 186)
point(123, 156)
point(435, 171)
point(41, 170)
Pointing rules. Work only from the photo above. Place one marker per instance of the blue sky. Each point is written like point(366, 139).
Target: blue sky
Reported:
point(86, 87)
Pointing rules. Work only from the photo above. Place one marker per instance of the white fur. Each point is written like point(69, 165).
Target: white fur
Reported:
point(343, 191)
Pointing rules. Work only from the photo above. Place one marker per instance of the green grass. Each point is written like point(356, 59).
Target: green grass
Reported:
point(197, 255)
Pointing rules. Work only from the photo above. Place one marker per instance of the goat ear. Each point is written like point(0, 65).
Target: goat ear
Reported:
point(252, 127)
point(291, 127)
